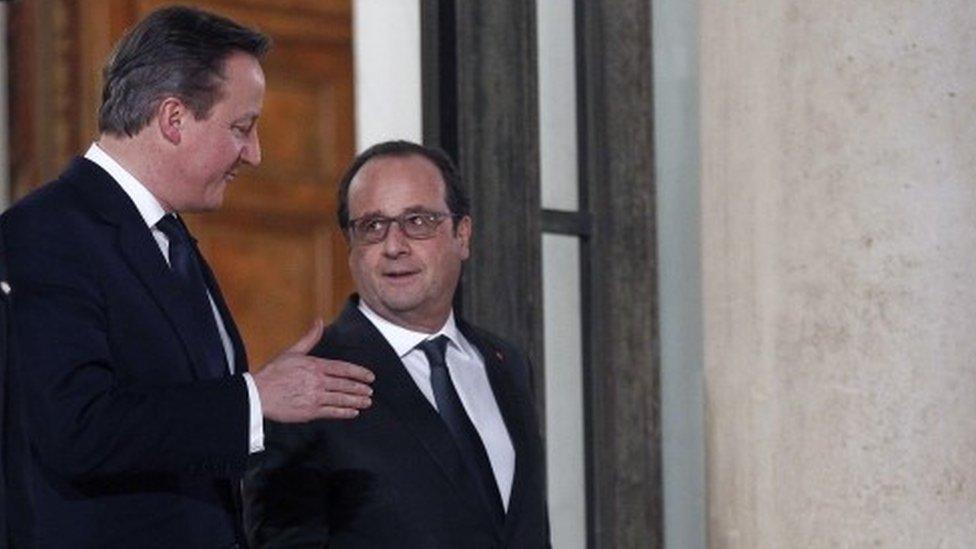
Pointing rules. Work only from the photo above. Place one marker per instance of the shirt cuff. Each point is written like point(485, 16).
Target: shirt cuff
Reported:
point(256, 438)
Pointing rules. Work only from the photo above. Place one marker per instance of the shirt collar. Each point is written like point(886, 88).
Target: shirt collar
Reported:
point(149, 208)
point(404, 340)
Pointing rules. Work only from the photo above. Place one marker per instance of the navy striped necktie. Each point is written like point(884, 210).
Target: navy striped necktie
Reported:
point(185, 264)
point(452, 411)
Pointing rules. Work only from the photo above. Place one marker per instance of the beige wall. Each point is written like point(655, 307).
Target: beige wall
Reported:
point(838, 144)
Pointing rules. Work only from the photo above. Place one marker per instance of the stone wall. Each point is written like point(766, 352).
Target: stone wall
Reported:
point(838, 144)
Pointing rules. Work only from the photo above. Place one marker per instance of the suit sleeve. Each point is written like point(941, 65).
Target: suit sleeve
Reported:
point(285, 491)
point(87, 417)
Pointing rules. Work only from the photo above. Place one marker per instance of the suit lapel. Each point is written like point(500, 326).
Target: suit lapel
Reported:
point(143, 257)
point(240, 355)
point(513, 408)
point(356, 339)
point(139, 249)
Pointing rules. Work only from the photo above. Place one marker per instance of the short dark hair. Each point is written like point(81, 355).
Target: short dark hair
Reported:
point(175, 51)
point(457, 200)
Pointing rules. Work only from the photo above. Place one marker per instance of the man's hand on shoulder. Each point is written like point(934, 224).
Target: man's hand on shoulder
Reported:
point(296, 388)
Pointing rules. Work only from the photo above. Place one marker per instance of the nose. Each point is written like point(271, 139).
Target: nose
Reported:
point(396, 242)
point(251, 154)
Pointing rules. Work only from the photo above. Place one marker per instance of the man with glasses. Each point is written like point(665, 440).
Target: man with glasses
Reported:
point(449, 455)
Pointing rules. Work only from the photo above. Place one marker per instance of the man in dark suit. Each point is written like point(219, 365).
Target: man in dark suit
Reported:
point(16, 523)
point(4, 495)
point(450, 454)
point(138, 407)
point(10, 481)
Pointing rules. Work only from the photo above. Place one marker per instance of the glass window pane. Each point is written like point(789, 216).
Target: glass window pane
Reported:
point(564, 390)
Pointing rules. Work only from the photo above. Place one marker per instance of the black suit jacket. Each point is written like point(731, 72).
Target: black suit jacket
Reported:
point(4, 494)
point(128, 445)
point(14, 525)
point(393, 477)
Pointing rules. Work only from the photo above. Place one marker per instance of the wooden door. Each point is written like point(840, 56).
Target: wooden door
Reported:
point(274, 245)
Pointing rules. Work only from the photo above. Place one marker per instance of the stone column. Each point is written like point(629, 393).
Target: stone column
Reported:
point(838, 144)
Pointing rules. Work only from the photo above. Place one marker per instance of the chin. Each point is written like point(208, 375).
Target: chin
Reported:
point(399, 306)
point(214, 203)
point(397, 302)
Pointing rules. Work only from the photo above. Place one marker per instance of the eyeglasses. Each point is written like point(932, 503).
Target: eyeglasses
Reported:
point(416, 225)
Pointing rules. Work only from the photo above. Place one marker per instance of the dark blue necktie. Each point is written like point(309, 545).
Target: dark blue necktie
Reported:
point(459, 424)
point(184, 263)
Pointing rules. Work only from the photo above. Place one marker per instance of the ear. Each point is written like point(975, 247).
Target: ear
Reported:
point(170, 117)
point(462, 232)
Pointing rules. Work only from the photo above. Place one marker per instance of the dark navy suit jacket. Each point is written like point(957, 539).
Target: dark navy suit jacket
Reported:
point(129, 444)
point(393, 477)
point(15, 522)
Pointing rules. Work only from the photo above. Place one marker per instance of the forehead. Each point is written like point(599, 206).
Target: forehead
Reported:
point(391, 184)
point(242, 86)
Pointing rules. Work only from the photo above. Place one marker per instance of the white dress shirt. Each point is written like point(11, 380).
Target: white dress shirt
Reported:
point(467, 369)
point(152, 211)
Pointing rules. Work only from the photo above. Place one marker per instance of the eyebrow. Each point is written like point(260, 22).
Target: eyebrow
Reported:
point(409, 210)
